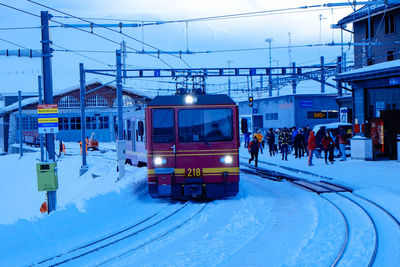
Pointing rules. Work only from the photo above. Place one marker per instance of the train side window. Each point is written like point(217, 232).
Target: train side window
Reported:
point(163, 126)
point(141, 130)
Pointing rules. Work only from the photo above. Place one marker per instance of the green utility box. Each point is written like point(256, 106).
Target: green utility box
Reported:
point(47, 176)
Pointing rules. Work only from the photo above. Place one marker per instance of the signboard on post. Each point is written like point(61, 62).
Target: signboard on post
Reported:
point(47, 118)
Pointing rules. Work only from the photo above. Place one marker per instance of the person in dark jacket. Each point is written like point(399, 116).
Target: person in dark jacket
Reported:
point(318, 137)
point(271, 142)
point(311, 147)
point(342, 144)
point(298, 143)
point(328, 145)
point(306, 134)
point(284, 140)
point(253, 148)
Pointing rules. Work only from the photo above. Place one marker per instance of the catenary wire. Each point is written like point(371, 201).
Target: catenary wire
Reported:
point(6, 41)
point(126, 35)
point(98, 35)
point(77, 53)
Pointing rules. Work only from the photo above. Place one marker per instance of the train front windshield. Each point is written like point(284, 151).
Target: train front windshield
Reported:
point(205, 125)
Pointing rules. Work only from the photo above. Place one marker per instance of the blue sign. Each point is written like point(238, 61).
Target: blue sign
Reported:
point(255, 110)
point(394, 81)
point(306, 103)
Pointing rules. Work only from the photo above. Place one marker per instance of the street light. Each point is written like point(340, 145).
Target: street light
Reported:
point(269, 40)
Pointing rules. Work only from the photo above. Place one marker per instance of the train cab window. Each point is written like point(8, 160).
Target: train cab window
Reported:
point(163, 126)
point(205, 125)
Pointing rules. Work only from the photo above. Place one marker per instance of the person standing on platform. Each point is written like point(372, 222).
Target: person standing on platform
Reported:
point(253, 148)
point(246, 139)
point(342, 144)
point(259, 137)
point(285, 141)
point(311, 147)
point(271, 142)
point(328, 145)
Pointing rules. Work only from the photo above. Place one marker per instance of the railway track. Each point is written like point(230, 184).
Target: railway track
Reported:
point(141, 227)
point(381, 221)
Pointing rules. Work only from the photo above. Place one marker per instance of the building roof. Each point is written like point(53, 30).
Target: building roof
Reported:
point(34, 100)
point(389, 68)
point(362, 13)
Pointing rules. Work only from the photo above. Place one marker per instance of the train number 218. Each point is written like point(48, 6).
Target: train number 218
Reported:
point(190, 172)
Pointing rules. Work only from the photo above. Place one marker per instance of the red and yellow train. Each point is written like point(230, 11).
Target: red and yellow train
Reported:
point(192, 144)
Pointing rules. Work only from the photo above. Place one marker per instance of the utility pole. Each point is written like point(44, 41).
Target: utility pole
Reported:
point(294, 79)
point(48, 94)
point(20, 123)
point(269, 41)
point(40, 102)
point(290, 48)
point(229, 77)
point(322, 75)
point(120, 143)
point(82, 94)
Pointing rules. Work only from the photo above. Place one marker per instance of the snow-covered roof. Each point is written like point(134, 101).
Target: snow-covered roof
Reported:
point(363, 12)
point(34, 100)
point(389, 67)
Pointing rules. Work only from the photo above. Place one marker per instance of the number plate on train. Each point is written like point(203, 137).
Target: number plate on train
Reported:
point(193, 172)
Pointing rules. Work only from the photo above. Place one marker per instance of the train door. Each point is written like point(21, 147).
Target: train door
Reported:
point(163, 149)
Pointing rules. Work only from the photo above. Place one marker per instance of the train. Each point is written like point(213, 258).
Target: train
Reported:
point(189, 143)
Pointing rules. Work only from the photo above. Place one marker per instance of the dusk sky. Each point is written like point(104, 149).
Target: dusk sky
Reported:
point(304, 25)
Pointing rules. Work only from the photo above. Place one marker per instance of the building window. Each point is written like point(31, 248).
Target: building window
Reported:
point(33, 123)
point(91, 122)
point(127, 101)
point(271, 116)
point(63, 123)
point(96, 101)
point(367, 30)
point(389, 24)
point(68, 102)
point(75, 123)
point(390, 55)
point(103, 122)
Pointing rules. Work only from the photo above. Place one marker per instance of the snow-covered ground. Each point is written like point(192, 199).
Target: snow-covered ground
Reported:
point(267, 224)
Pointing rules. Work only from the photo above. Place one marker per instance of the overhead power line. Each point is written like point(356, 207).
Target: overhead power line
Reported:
point(98, 35)
point(87, 21)
point(79, 54)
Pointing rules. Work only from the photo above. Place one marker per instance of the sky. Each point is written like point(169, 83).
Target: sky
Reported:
point(304, 27)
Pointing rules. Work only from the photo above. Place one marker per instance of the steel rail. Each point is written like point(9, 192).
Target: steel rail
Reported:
point(111, 242)
point(154, 239)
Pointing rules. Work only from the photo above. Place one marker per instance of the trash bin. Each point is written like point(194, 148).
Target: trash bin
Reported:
point(47, 176)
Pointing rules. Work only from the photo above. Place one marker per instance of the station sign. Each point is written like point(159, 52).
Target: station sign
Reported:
point(47, 118)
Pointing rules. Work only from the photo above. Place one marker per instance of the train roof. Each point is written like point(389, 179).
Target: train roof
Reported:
point(179, 100)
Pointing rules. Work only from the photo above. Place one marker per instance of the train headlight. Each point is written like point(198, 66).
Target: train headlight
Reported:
point(227, 159)
point(159, 161)
point(189, 99)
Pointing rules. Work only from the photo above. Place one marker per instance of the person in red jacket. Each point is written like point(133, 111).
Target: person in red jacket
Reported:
point(253, 148)
point(311, 147)
point(328, 146)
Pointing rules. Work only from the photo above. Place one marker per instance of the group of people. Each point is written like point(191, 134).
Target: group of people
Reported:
point(302, 142)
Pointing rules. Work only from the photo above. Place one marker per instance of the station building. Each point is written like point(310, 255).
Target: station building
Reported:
point(298, 110)
point(101, 114)
point(375, 81)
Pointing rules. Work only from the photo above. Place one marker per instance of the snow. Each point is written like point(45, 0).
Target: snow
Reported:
point(267, 224)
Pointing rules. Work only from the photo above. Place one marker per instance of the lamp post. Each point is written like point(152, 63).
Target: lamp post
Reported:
point(269, 41)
